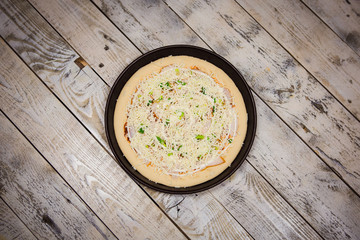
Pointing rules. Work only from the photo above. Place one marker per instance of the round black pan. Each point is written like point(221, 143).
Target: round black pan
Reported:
point(175, 50)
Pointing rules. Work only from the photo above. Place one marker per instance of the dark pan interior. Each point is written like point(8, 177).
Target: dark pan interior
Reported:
point(175, 50)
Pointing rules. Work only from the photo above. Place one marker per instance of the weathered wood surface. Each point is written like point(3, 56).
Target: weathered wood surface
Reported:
point(274, 194)
point(77, 156)
point(23, 24)
point(260, 217)
point(280, 81)
point(228, 227)
point(39, 196)
point(343, 17)
point(56, 63)
point(105, 49)
point(11, 226)
point(136, 20)
point(313, 44)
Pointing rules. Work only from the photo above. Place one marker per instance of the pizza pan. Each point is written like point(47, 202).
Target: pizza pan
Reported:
point(176, 50)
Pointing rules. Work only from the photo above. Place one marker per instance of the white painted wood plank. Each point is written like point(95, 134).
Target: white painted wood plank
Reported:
point(255, 204)
point(343, 17)
point(77, 156)
point(340, 181)
point(315, 115)
point(23, 26)
point(313, 44)
point(11, 226)
point(39, 196)
point(148, 24)
point(69, 21)
point(56, 63)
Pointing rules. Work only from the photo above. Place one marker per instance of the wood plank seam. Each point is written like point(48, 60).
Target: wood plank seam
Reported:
point(283, 197)
point(307, 144)
point(269, 107)
point(96, 139)
point(65, 181)
point(301, 64)
point(11, 208)
point(254, 92)
point(322, 20)
point(26, 66)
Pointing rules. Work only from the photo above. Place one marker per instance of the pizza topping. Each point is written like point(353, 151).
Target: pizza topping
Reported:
point(185, 120)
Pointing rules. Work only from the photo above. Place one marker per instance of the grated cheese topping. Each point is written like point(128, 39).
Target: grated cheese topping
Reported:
point(180, 121)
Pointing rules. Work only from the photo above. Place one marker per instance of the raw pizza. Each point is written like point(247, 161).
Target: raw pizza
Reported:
point(180, 121)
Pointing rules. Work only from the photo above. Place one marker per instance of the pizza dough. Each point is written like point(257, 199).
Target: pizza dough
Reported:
point(180, 121)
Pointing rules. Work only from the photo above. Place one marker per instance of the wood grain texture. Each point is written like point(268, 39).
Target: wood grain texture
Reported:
point(56, 63)
point(281, 231)
point(309, 185)
point(256, 205)
point(315, 115)
point(22, 24)
point(68, 18)
point(11, 226)
point(39, 196)
point(148, 24)
point(313, 44)
point(343, 17)
point(200, 215)
point(77, 156)
point(246, 192)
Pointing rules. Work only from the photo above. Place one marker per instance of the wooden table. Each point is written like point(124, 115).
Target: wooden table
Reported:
point(59, 179)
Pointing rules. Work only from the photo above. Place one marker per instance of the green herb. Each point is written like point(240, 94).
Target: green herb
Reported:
point(161, 85)
point(169, 154)
point(182, 115)
point(153, 144)
point(214, 100)
point(216, 148)
point(141, 131)
point(150, 101)
point(161, 141)
point(230, 140)
point(169, 98)
point(168, 84)
point(160, 98)
point(199, 157)
point(213, 108)
point(150, 93)
point(199, 137)
point(179, 147)
point(147, 146)
point(180, 82)
point(208, 138)
point(203, 90)
point(167, 121)
point(139, 96)
point(177, 71)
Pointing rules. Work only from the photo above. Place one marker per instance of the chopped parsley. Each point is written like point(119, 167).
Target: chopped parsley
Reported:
point(181, 82)
point(161, 141)
point(230, 140)
point(199, 137)
point(203, 90)
point(141, 131)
